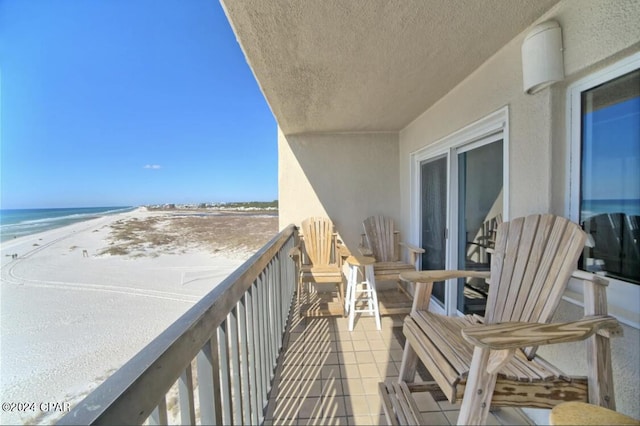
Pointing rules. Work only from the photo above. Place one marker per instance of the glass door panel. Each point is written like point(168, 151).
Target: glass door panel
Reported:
point(480, 203)
point(433, 194)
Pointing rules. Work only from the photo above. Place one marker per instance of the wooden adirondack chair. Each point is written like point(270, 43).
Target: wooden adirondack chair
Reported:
point(382, 241)
point(492, 361)
point(319, 255)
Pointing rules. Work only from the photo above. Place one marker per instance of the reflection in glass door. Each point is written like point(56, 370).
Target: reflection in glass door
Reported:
point(480, 203)
point(433, 193)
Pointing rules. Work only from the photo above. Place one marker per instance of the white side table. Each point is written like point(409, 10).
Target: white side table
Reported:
point(361, 295)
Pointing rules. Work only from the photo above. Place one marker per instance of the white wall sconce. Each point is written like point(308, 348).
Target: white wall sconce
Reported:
point(542, 61)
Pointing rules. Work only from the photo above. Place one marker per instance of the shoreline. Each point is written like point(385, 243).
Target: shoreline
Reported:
point(69, 319)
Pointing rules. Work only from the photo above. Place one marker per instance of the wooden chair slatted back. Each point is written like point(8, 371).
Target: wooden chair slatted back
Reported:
point(319, 240)
point(531, 266)
point(381, 238)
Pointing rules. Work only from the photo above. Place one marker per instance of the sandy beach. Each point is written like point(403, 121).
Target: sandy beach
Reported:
point(77, 302)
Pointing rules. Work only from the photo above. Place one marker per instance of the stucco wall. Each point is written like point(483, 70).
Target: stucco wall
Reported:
point(595, 33)
point(572, 359)
point(346, 177)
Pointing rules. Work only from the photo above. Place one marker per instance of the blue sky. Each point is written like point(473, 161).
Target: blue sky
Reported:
point(611, 153)
point(109, 102)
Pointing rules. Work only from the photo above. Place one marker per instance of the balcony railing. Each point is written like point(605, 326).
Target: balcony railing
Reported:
point(229, 342)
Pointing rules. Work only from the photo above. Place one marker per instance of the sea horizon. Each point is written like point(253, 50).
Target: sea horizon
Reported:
point(15, 223)
point(592, 207)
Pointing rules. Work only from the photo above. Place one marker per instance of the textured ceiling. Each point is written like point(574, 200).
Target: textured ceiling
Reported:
point(361, 65)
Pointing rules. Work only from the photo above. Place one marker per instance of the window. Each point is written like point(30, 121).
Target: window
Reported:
point(604, 131)
point(610, 177)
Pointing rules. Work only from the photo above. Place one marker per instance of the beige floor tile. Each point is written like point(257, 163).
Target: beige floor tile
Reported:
point(330, 372)
point(447, 406)
point(357, 405)
point(358, 335)
point(511, 416)
point(293, 358)
point(317, 347)
point(329, 420)
point(334, 407)
point(388, 370)
point(381, 355)
point(394, 344)
point(360, 420)
point(353, 387)
point(361, 345)
point(348, 358)
point(345, 346)
point(492, 420)
point(368, 370)
point(332, 359)
point(350, 372)
point(396, 354)
point(284, 422)
point(369, 322)
point(375, 404)
point(374, 335)
point(310, 408)
point(425, 401)
point(380, 420)
point(364, 357)
point(302, 372)
point(435, 418)
point(300, 388)
point(314, 358)
point(378, 345)
point(337, 372)
point(286, 408)
point(370, 385)
point(332, 388)
point(452, 416)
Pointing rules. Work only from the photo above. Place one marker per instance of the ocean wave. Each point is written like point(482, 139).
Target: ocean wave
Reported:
point(51, 220)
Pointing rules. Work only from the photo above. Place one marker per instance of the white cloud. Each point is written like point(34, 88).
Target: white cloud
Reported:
point(152, 166)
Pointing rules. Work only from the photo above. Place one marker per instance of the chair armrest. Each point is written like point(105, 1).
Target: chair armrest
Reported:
point(294, 252)
point(588, 276)
point(433, 276)
point(412, 248)
point(343, 251)
point(365, 251)
point(512, 335)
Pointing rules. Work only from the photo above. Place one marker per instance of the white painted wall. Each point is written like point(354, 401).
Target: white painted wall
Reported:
point(595, 33)
point(346, 177)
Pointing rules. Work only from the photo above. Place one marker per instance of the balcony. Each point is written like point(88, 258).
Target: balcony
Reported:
point(244, 355)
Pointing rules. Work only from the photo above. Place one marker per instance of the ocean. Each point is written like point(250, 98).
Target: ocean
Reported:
point(20, 222)
point(590, 208)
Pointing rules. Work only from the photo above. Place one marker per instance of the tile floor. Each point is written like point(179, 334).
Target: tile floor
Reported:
point(328, 375)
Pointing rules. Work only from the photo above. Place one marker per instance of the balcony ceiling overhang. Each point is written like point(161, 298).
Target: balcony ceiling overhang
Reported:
point(359, 65)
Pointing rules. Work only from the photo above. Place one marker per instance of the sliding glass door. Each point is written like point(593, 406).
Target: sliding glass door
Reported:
point(460, 197)
point(433, 176)
point(479, 211)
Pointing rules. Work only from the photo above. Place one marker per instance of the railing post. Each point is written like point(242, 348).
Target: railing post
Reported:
point(244, 361)
point(209, 383)
point(185, 393)
point(236, 400)
point(234, 334)
point(225, 376)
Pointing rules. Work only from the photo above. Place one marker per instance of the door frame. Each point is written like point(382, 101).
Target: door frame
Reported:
point(475, 134)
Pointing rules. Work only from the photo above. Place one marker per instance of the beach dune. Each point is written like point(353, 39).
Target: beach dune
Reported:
point(77, 302)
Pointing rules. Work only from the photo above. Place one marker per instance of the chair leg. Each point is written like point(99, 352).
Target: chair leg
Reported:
point(478, 391)
point(298, 296)
point(341, 295)
point(409, 364)
point(600, 374)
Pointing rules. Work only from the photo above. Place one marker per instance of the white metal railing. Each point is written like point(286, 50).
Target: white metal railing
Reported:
point(228, 342)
